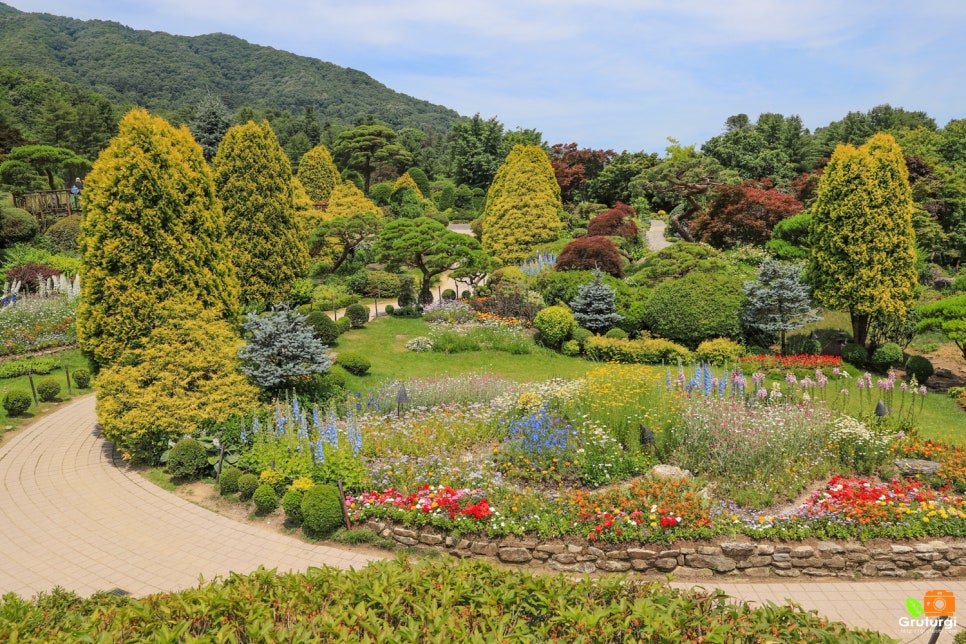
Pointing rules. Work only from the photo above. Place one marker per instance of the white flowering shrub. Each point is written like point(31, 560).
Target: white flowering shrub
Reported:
point(859, 446)
point(420, 344)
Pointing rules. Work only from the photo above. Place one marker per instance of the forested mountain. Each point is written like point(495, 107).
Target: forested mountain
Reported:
point(165, 73)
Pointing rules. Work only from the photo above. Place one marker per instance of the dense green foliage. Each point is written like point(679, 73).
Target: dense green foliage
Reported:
point(82, 378)
point(253, 178)
point(555, 324)
point(265, 499)
point(355, 363)
point(444, 601)
point(318, 173)
point(16, 402)
point(188, 459)
point(919, 367)
point(152, 232)
point(281, 349)
point(778, 301)
point(48, 389)
point(594, 307)
point(228, 481)
point(113, 60)
point(321, 510)
point(949, 316)
point(696, 308)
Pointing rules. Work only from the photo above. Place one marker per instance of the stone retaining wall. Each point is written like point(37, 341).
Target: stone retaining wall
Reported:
point(748, 559)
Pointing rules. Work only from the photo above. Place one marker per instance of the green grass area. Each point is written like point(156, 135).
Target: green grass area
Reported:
point(73, 360)
point(383, 342)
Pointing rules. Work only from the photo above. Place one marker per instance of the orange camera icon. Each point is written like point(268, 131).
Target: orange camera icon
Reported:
point(939, 603)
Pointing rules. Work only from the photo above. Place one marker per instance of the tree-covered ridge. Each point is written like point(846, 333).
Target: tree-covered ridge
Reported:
point(161, 71)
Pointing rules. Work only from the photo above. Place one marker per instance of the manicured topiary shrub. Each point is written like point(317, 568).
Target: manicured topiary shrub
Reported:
point(292, 506)
point(581, 334)
point(322, 326)
point(718, 351)
point(187, 459)
point(16, 402)
point(887, 356)
point(265, 498)
point(570, 348)
point(82, 378)
point(354, 363)
point(358, 315)
point(228, 481)
point(616, 332)
point(695, 308)
point(647, 351)
point(449, 295)
point(247, 484)
point(588, 253)
point(919, 367)
point(389, 309)
point(18, 225)
point(555, 324)
point(344, 324)
point(48, 389)
point(321, 511)
point(855, 354)
point(63, 234)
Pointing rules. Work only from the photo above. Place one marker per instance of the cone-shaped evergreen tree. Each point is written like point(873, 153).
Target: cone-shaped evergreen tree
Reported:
point(211, 120)
point(522, 205)
point(152, 231)
point(863, 252)
point(254, 182)
point(594, 307)
point(318, 173)
point(778, 301)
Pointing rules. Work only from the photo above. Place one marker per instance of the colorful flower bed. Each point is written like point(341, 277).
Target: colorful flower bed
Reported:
point(803, 361)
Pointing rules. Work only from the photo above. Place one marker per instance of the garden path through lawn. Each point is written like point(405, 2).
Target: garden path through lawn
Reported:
point(72, 515)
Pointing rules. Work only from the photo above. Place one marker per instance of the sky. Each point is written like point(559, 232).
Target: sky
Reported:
point(606, 74)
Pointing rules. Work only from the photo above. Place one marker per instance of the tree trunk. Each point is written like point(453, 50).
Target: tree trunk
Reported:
point(860, 327)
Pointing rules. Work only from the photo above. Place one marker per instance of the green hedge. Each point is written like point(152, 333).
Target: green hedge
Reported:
point(36, 366)
point(648, 351)
point(444, 601)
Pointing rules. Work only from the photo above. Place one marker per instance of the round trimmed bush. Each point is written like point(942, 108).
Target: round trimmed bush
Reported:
point(887, 356)
point(265, 498)
point(718, 351)
point(920, 367)
point(48, 389)
point(448, 295)
point(292, 506)
point(697, 307)
point(228, 481)
point(187, 459)
point(389, 309)
point(617, 333)
point(855, 354)
point(555, 324)
point(322, 326)
point(581, 334)
point(358, 315)
point(321, 510)
point(570, 348)
point(344, 324)
point(247, 484)
point(354, 363)
point(16, 402)
point(18, 225)
point(64, 233)
point(82, 378)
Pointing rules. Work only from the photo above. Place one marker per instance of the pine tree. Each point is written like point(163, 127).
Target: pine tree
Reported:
point(522, 206)
point(318, 174)
point(186, 377)
point(281, 349)
point(778, 301)
point(152, 232)
point(594, 307)
point(862, 241)
point(254, 182)
point(212, 119)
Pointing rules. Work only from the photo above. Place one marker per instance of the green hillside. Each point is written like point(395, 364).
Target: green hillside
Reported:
point(163, 72)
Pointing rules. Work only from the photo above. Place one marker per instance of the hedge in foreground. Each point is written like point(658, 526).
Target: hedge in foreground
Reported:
point(426, 601)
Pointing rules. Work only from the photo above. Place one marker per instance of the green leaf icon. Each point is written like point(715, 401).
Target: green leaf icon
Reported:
point(914, 607)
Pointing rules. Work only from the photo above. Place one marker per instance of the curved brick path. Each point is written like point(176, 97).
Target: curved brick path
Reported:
point(70, 517)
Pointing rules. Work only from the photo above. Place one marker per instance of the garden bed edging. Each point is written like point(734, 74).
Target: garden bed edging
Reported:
point(752, 559)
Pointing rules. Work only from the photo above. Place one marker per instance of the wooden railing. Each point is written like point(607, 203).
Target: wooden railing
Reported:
point(48, 206)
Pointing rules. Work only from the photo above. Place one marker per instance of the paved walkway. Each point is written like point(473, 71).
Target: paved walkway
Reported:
point(655, 235)
point(72, 517)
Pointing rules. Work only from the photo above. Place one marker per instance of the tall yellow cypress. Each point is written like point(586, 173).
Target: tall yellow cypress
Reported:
point(522, 205)
point(253, 178)
point(152, 231)
point(863, 246)
point(318, 173)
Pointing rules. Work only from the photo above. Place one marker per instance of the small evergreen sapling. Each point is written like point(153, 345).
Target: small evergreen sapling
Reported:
point(594, 306)
point(281, 348)
point(778, 302)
